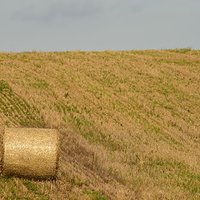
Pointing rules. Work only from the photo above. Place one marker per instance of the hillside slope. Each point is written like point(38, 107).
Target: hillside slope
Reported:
point(129, 122)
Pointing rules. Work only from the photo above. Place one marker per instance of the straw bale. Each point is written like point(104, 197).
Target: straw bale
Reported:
point(1, 147)
point(30, 152)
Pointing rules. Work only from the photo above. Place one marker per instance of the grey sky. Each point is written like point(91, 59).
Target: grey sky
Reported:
point(58, 25)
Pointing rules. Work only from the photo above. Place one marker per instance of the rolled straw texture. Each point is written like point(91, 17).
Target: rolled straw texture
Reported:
point(30, 152)
point(1, 146)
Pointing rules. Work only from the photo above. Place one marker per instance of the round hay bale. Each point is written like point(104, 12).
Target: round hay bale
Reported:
point(1, 147)
point(30, 152)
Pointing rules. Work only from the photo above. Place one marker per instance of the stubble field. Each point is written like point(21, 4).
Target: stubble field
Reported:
point(129, 122)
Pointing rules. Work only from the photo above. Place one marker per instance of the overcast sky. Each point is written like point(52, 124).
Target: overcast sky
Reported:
point(59, 25)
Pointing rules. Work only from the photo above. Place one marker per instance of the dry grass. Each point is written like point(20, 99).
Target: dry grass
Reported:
point(129, 122)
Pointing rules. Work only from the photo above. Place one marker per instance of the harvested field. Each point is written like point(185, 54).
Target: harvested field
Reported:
point(129, 122)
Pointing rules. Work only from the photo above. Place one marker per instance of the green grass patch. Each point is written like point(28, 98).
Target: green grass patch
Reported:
point(177, 172)
point(16, 109)
point(32, 187)
point(182, 50)
point(12, 186)
point(95, 195)
point(4, 86)
point(40, 84)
